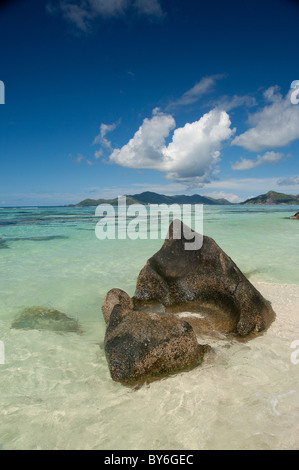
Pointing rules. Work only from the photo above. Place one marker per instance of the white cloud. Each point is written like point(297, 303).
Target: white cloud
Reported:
point(204, 86)
point(108, 7)
point(76, 14)
point(191, 155)
point(79, 158)
point(81, 13)
point(101, 137)
point(273, 94)
point(276, 125)
point(251, 187)
point(145, 149)
point(247, 164)
point(289, 181)
point(195, 148)
point(149, 7)
point(227, 103)
point(98, 154)
point(223, 195)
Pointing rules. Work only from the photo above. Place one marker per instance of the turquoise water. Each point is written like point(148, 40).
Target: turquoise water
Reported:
point(56, 391)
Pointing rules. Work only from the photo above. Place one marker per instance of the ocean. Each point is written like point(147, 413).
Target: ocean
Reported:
point(55, 389)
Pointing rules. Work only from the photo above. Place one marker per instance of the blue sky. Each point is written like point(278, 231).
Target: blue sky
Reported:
point(111, 97)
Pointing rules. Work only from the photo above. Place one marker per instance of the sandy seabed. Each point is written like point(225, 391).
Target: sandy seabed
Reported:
point(56, 392)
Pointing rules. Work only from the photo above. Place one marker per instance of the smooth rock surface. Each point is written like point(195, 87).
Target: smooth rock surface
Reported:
point(205, 282)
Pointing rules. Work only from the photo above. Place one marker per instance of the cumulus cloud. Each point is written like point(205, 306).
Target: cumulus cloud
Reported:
point(247, 164)
point(145, 149)
point(195, 148)
point(191, 155)
point(275, 125)
point(81, 13)
point(290, 181)
point(204, 86)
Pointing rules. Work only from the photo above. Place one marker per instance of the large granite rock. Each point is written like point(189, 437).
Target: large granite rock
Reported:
point(43, 318)
point(205, 286)
point(179, 294)
point(142, 346)
point(296, 216)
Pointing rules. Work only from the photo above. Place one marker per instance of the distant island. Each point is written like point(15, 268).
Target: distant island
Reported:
point(149, 197)
point(273, 198)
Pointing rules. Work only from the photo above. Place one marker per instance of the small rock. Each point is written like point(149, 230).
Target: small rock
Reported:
point(113, 297)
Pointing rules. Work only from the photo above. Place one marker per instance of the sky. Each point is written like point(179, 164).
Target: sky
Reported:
point(109, 97)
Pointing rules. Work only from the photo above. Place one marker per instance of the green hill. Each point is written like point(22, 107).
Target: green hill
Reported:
point(113, 202)
point(149, 197)
point(273, 197)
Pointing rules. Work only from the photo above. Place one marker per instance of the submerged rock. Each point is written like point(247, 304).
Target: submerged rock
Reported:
point(3, 243)
point(43, 318)
point(141, 346)
point(206, 285)
point(296, 216)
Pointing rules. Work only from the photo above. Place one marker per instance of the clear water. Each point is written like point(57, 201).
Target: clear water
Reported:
point(56, 391)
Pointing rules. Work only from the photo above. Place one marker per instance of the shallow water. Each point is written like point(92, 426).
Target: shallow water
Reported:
point(55, 389)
